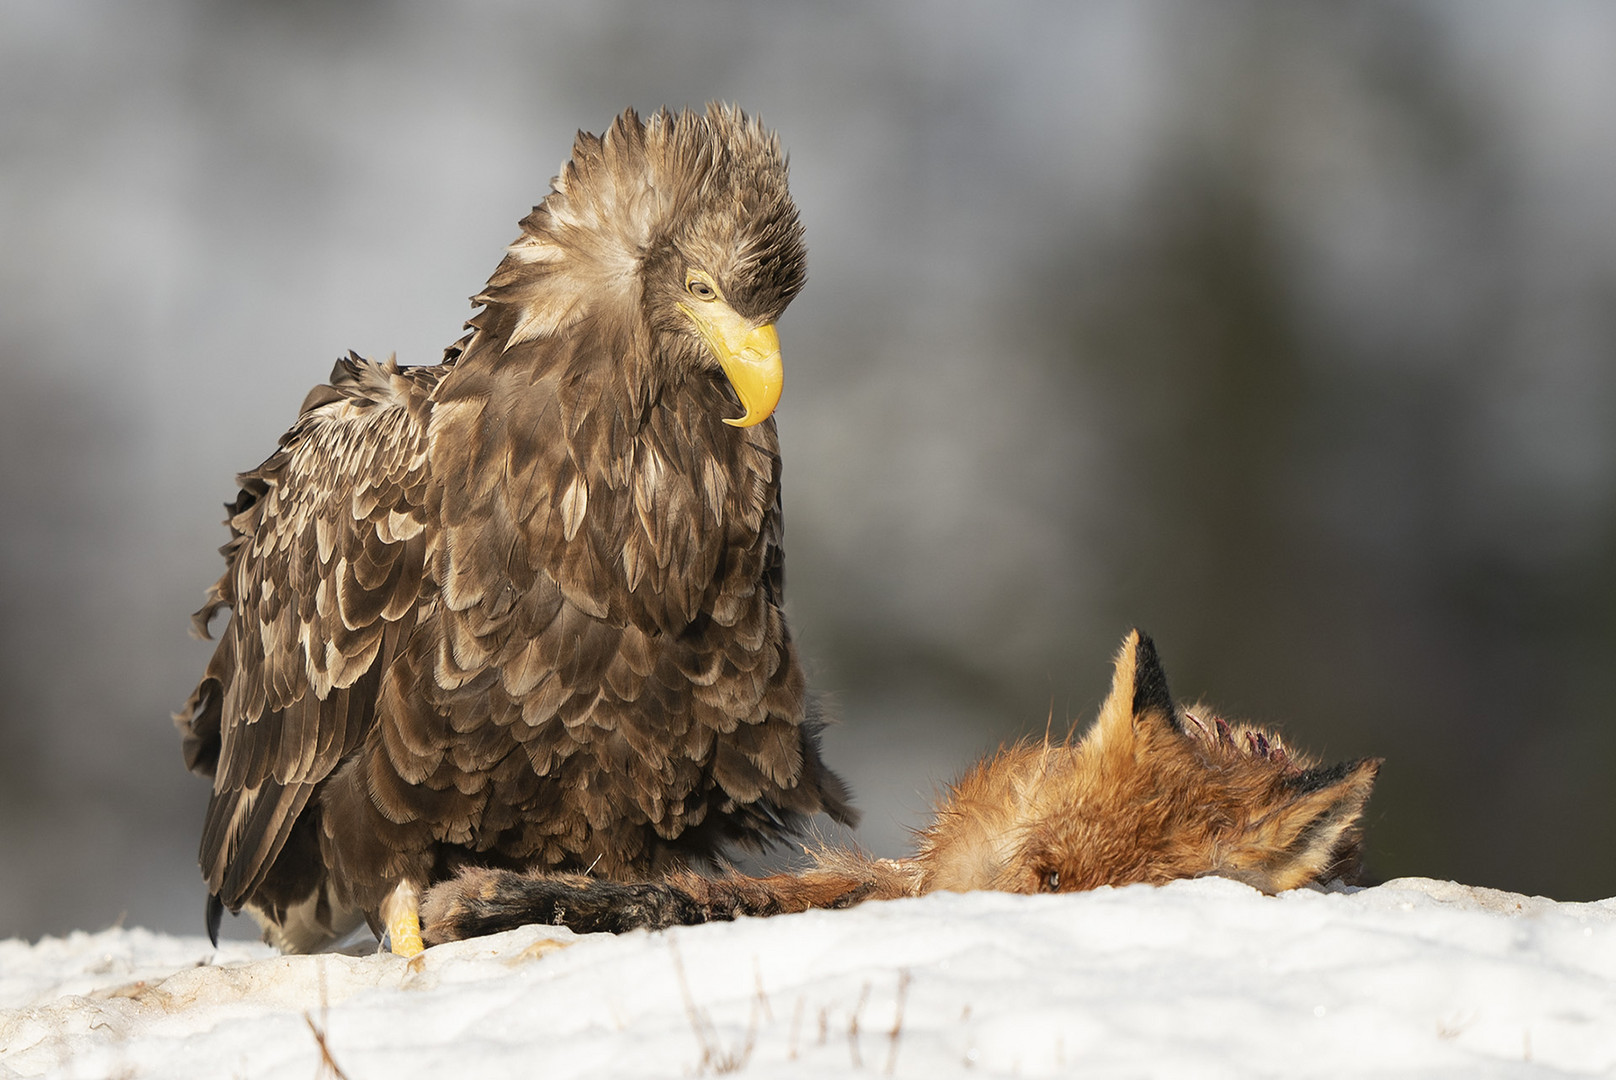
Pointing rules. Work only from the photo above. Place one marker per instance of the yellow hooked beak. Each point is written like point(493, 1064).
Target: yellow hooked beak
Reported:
point(749, 355)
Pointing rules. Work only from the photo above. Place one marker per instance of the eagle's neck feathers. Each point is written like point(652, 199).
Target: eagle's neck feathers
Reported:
point(572, 415)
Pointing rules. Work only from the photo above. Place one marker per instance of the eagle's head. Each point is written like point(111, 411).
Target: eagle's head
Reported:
point(675, 237)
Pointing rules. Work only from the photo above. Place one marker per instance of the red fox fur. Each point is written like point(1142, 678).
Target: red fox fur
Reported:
point(1151, 792)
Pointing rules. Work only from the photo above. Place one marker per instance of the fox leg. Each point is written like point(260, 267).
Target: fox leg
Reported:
point(401, 916)
point(731, 896)
point(483, 901)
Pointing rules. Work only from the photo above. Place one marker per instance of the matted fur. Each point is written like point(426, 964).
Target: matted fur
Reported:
point(524, 607)
point(1150, 793)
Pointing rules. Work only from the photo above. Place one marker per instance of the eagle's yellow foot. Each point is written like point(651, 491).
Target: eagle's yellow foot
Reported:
point(401, 914)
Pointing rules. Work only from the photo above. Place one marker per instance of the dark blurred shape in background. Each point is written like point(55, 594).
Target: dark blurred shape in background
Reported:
point(1284, 331)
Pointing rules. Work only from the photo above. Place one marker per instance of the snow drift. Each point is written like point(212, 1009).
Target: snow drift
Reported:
point(1202, 978)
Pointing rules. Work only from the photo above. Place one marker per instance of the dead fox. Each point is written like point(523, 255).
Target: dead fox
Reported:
point(1150, 793)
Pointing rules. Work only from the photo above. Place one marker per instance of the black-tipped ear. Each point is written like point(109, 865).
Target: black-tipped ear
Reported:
point(1150, 693)
point(1313, 835)
point(1324, 776)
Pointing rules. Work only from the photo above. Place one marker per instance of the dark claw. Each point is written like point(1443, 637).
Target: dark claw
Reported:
point(214, 917)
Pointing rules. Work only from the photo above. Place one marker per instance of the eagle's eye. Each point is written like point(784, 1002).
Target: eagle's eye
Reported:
point(701, 289)
point(1052, 881)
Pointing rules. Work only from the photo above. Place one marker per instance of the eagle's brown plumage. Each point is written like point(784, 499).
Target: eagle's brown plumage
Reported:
point(523, 608)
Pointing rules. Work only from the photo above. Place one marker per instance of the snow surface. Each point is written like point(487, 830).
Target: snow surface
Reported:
point(1196, 979)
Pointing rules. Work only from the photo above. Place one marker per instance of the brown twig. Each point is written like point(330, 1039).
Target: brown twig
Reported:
point(328, 1064)
point(897, 1022)
point(713, 1055)
point(796, 1028)
point(853, 1027)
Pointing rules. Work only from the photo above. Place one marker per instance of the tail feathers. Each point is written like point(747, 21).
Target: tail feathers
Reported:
point(214, 917)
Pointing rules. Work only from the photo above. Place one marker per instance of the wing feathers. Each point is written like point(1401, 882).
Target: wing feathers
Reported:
point(326, 562)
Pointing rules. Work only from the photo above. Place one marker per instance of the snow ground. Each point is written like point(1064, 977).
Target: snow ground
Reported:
point(1196, 979)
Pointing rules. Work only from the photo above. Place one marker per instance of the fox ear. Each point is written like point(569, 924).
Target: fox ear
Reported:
point(1139, 693)
point(1310, 835)
point(1150, 695)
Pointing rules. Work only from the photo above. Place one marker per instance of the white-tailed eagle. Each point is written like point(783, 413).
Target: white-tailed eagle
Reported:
point(522, 608)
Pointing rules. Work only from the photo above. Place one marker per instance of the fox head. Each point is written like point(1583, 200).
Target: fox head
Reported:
point(1150, 793)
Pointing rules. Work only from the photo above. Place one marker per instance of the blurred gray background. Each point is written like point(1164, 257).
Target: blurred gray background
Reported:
point(1285, 331)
